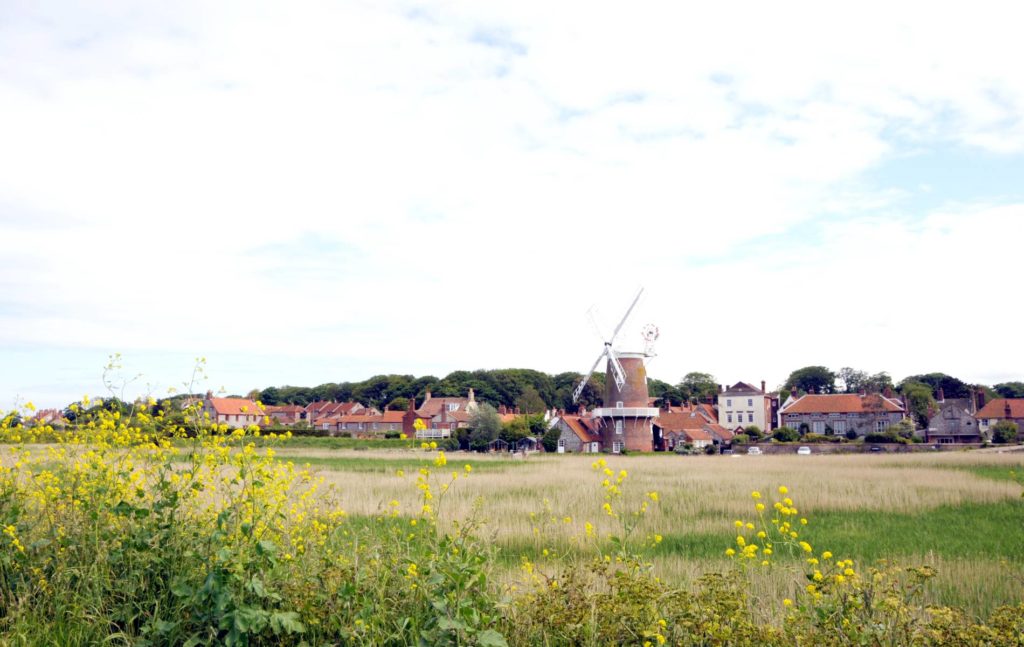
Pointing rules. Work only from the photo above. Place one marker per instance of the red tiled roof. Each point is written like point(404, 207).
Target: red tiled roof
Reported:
point(997, 408)
point(680, 421)
point(284, 408)
point(582, 427)
point(842, 403)
point(234, 406)
point(434, 406)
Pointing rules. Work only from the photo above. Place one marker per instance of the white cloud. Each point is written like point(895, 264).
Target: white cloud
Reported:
point(484, 172)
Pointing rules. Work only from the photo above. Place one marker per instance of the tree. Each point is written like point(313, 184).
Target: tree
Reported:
point(399, 404)
point(514, 430)
point(550, 439)
point(529, 401)
point(1004, 431)
point(920, 401)
point(951, 386)
point(753, 431)
point(485, 425)
point(664, 393)
point(812, 379)
point(855, 381)
point(1010, 389)
point(696, 386)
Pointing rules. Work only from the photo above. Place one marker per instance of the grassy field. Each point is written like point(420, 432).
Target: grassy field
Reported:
point(959, 512)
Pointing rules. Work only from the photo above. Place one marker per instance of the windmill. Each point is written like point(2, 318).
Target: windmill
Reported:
point(625, 419)
point(615, 366)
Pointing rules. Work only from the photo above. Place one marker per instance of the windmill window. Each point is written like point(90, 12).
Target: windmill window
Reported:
point(617, 447)
point(618, 427)
point(618, 404)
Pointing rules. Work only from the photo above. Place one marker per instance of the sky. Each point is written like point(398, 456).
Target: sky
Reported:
point(311, 192)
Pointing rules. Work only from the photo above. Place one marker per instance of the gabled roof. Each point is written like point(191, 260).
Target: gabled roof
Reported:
point(434, 406)
point(680, 421)
point(234, 406)
point(742, 388)
point(582, 427)
point(284, 408)
point(843, 403)
point(997, 408)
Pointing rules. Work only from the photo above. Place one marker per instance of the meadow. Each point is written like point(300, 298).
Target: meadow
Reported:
point(117, 531)
point(959, 512)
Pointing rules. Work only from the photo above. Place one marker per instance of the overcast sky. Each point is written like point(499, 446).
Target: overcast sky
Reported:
point(319, 192)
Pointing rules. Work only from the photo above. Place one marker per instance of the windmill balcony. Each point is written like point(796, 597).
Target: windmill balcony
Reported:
point(627, 412)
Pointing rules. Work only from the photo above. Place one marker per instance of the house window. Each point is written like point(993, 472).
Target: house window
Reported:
point(729, 417)
point(617, 447)
point(818, 426)
point(561, 442)
point(839, 427)
point(618, 428)
point(750, 416)
point(881, 425)
point(728, 402)
point(750, 402)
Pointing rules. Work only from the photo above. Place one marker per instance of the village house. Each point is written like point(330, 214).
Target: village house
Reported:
point(325, 409)
point(840, 414)
point(694, 428)
point(233, 412)
point(954, 421)
point(363, 424)
point(442, 416)
point(1011, 409)
point(742, 405)
point(577, 433)
point(285, 415)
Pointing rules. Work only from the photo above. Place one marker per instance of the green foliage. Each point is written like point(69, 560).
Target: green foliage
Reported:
point(1004, 432)
point(951, 386)
point(753, 431)
point(698, 387)
point(741, 439)
point(485, 425)
point(550, 439)
point(514, 430)
point(920, 401)
point(855, 381)
point(903, 428)
point(786, 435)
point(529, 401)
point(812, 379)
point(1010, 389)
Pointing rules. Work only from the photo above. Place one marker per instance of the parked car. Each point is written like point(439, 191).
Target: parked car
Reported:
point(753, 451)
point(876, 448)
point(726, 451)
point(804, 451)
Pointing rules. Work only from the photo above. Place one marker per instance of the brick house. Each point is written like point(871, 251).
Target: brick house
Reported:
point(692, 427)
point(1011, 409)
point(286, 414)
point(443, 416)
point(363, 424)
point(838, 414)
point(233, 412)
point(325, 409)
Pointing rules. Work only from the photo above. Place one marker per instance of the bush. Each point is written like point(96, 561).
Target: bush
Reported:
point(1004, 432)
point(851, 434)
point(818, 438)
point(391, 435)
point(753, 431)
point(787, 434)
point(711, 450)
point(740, 439)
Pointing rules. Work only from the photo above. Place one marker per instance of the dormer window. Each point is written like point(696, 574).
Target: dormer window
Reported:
point(451, 406)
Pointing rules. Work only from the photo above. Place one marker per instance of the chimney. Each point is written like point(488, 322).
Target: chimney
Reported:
point(426, 398)
point(582, 411)
point(942, 395)
point(209, 395)
point(972, 401)
point(721, 388)
point(412, 403)
point(472, 397)
point(762, 387)
point(1007, 410)
point(981, 399)
point(501, 409)
point(888, 392)
point(516, 410)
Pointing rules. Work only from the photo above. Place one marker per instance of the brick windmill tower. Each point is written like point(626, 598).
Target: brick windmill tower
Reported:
point(626, 418)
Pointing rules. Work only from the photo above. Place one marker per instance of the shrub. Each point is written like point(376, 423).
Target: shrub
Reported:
point(740, 439)
point(753, 431)
point(787, 434)
point(851, 434)
point(1004, 432)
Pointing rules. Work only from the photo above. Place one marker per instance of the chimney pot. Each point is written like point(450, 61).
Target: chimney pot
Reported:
point(762, 387)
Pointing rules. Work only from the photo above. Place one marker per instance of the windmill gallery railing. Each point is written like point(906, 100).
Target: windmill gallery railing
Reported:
point(626, 412)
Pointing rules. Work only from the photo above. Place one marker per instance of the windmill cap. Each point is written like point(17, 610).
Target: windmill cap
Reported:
point(630, 355)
